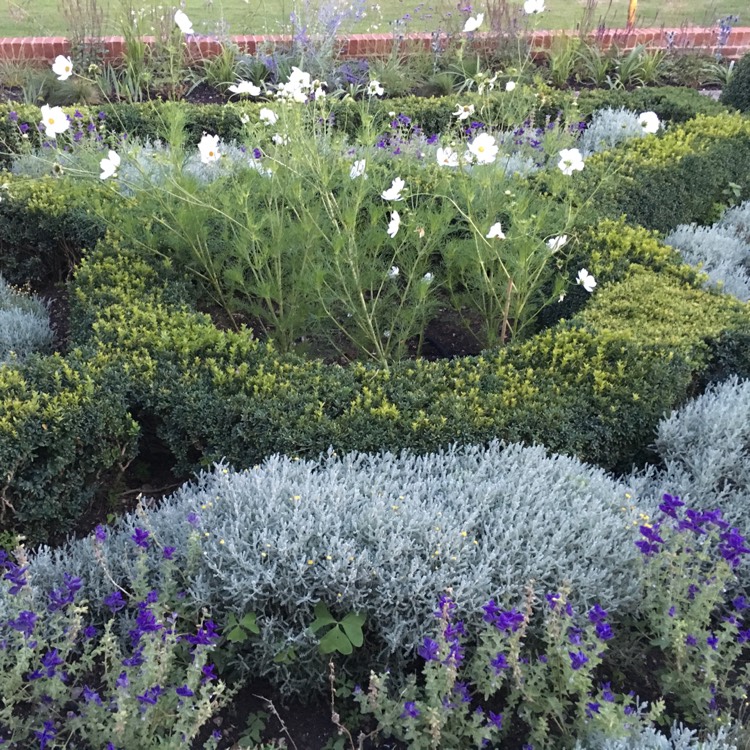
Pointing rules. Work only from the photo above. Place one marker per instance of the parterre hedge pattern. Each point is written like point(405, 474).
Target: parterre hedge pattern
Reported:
point(594, 385)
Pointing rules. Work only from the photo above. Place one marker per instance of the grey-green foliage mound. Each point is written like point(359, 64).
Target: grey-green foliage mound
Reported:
point(383, 535)
point(24, 324)
point(705, 449)
point(679, 738)
point(722, 251)
point(609, 128)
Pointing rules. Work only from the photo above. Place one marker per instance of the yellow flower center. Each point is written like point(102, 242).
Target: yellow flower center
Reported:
point(51, 121)
point(211, 153)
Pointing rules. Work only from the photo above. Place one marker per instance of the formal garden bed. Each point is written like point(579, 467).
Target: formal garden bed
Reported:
point(346, 416)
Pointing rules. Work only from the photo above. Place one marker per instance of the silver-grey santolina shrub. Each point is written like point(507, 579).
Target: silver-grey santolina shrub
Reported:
point(720, 252)
point(609, 128)
point(679, 738)
point(383, 535)
point(705, 450)
point(24, 324)
point(737, 220)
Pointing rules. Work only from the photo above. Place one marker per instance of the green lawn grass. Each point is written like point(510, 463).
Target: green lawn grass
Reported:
point(43, 17)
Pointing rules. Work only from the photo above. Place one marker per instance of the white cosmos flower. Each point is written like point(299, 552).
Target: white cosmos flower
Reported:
point(555, 243)
point(394, 224)
point(570, 161)
point(268, 116)
point(533, 6)
point(472, 24)
point(62, 68)
point(428, 277)
point(394, 191)
point(244, 119)
point(649, 121)
point(375, 89)
point(245, 87)
point(510, 85)
point(54, 121)
point(464, 111)
point(586, 280)
point(447, 157)
point(183, 22)
point(393, 272)
point(109, 165)
point(483, 148)
point(358, 169)
point(209, 148)
point(280, 140)
point(496, 232)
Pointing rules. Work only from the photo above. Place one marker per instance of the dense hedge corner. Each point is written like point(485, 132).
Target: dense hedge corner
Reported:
point(63, 426)
point(737, 92)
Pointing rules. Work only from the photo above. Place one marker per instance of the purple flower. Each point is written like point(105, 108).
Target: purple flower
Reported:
point(135, 660)
point(552, 599)
point(446, 606)
point(577, 659)
point(184, 692)
point(591, 709)
point(574, 635)
point(91, 696)
point(429, 650)
point(670, 504)
point(257, 154)
point(89, 632)
point(597, 614)
point(102, 116)
point(499, 663)
point(455, 654)
point(207, 635)
point(732, 547)
point(47, 734)
point(713, 641)
point(151, 696)
point(51, 661)
point(510, 620)
point(740, 603)
point(13, 116)
point(461, 689)
point(140, 537)
point(432, 140)
point(100, 534)
point(209, 673)
point(495, 720)
point(690, 640)
point(168, 553)
point(114, 601)
point(16, 576)
point(122, 681)
point(607, 693)
point(672, 610)
point(604, 631)
point(453, 631)
point(410, 710)
point(743, 636)
point(193, 519)
point(24, 127)
point(24, 623)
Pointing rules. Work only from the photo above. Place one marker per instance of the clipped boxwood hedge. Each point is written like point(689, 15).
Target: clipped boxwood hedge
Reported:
point(682, 177)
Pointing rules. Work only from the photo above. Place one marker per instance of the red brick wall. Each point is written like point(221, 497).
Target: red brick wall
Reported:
point(372, 45)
